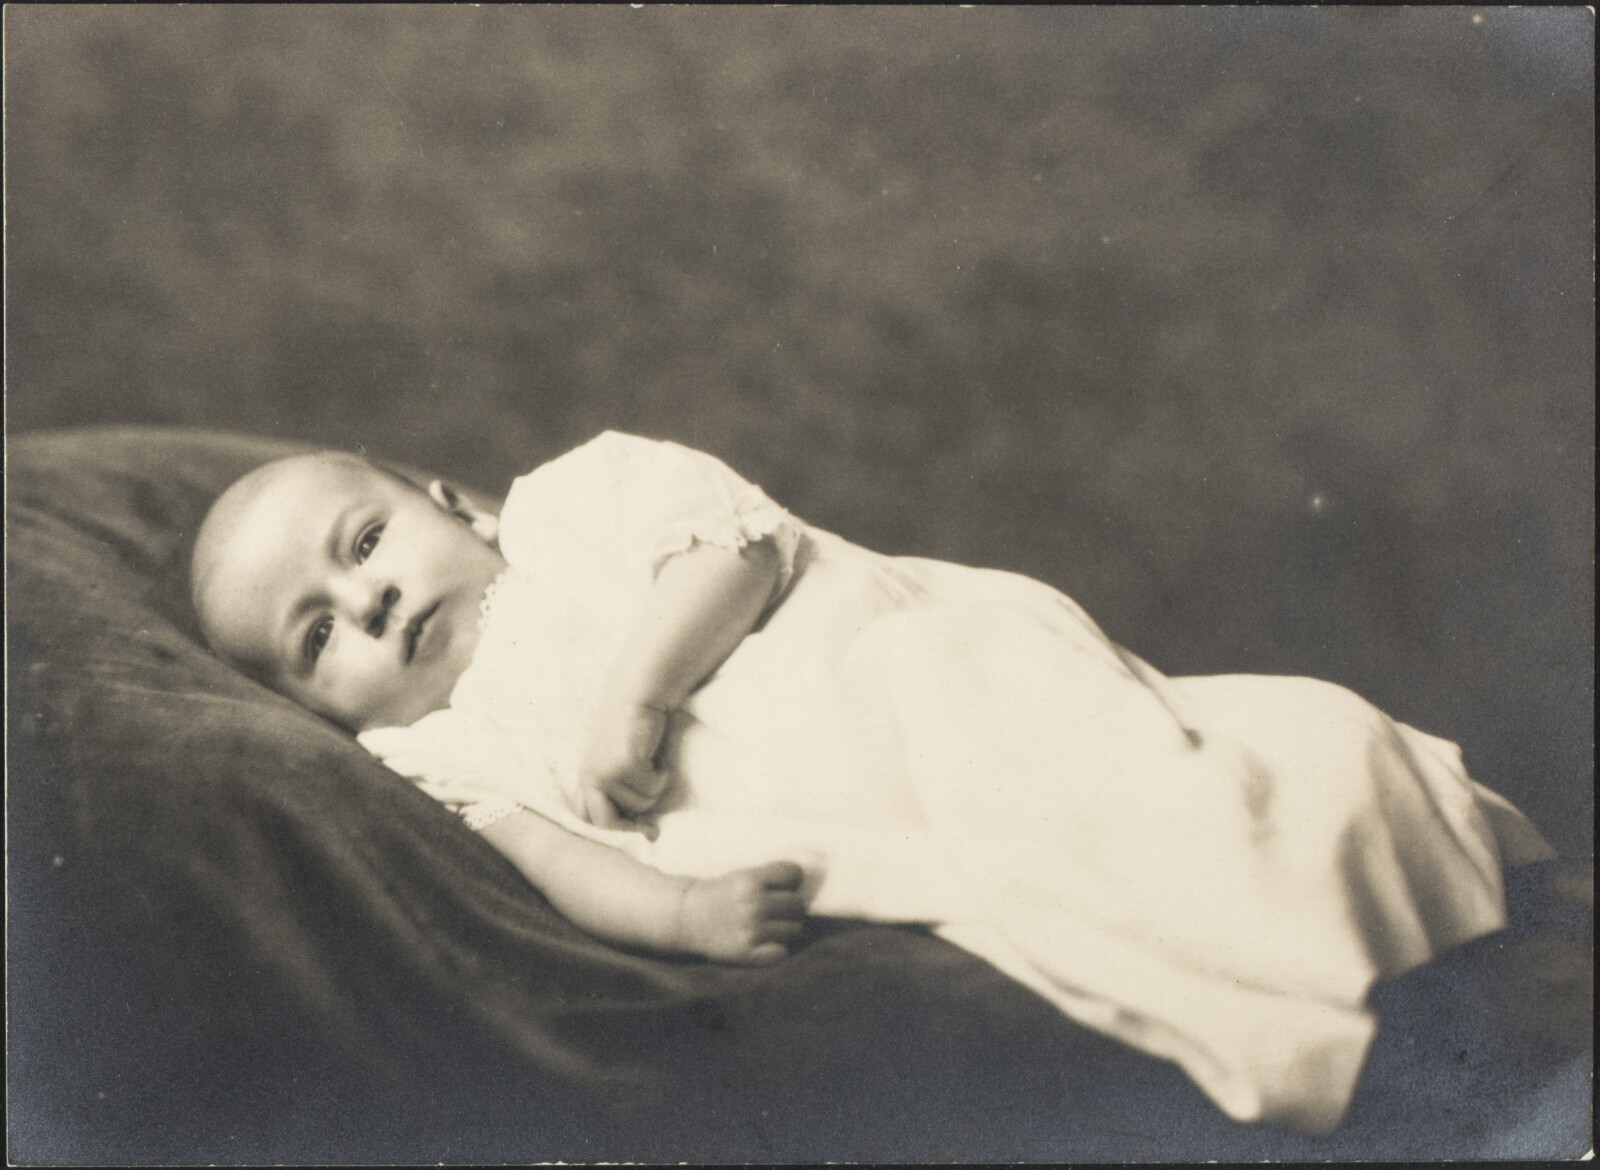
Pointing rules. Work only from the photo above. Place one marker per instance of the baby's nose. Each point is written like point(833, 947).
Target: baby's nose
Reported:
point(369, 603)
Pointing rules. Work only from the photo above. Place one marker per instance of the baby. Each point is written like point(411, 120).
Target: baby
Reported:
point(357, 594)
point(656, 692)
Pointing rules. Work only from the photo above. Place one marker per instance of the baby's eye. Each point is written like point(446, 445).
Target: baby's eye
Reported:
point(317, 637)
point(367, 541)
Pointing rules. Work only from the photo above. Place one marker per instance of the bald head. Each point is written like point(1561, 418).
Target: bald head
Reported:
point(344, 586)
point(225, 533)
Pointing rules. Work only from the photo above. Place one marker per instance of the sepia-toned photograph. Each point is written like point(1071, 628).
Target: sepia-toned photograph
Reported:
point(759, 584)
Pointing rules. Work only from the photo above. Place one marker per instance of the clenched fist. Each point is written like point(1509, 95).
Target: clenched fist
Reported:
point(620, 771)
point(750, 916)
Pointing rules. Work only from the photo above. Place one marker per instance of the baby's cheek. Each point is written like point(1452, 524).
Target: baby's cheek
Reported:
point(371, 694)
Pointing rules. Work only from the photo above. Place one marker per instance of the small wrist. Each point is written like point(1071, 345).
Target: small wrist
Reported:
point(628, 692)
point(648, 683)
point(655, 705)
point(653, 695)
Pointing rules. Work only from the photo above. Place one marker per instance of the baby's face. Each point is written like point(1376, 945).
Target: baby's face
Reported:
point(351, 592)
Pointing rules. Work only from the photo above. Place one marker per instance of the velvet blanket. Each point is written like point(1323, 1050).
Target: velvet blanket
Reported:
point(235, 937)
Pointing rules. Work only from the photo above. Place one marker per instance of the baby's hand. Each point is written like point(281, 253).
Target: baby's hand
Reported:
point(749, 916)
point(618, 770)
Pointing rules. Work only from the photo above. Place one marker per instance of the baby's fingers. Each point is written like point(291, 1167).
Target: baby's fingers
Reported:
point(648, 782)
point(783, 906)
point(780, 875)
point(767, 953)
point(778, 930)
point(629, 799)
point(599, 810)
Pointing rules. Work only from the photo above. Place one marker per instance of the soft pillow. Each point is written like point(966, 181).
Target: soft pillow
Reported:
point(226, 914)
point(260, 872)
point(234, 937)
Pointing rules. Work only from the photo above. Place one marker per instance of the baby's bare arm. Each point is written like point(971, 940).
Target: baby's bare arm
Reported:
point(749, 916)
point(700, 608)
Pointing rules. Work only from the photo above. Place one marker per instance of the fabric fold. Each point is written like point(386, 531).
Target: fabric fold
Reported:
point(1211, 870)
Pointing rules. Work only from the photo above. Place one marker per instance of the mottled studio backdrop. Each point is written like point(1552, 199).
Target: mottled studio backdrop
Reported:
point(1264, 333)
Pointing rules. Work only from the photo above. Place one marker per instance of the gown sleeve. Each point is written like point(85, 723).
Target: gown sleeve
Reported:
point(462, 760)
point(639, 502)
point(459, 759)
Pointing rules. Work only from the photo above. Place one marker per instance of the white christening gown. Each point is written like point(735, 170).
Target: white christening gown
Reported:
point(1213, 870)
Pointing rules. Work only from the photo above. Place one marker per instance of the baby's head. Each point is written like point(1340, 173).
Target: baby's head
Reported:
point(345, 587)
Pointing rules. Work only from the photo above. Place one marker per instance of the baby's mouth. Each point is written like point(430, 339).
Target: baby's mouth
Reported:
point(414, 628)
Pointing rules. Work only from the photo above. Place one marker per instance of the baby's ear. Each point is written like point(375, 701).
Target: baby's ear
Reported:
point(485, 524)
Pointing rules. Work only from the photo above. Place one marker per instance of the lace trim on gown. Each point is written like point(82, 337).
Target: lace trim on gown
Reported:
point(484, 813)
point(489, 595)
point(750, 520)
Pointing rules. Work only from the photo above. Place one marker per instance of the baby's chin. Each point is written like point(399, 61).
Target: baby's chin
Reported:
point(430, 690)
point(406, 709)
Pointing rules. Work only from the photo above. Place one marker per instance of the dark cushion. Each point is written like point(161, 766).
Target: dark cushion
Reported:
point(266, 879)
point(235, 937)
point(227, 914)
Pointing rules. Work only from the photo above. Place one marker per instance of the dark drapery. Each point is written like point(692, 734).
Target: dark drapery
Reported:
point(235, 937)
